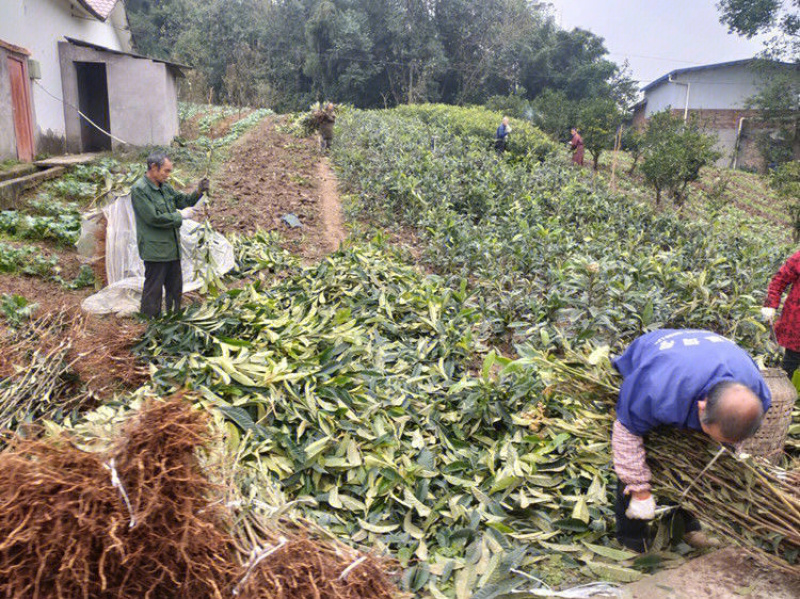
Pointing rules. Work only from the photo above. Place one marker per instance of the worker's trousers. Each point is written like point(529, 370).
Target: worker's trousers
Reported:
point(160, 279)
point(791, 360)
point(637, 534)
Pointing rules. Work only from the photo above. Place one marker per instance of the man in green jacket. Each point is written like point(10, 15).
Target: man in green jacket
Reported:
point(160, 211)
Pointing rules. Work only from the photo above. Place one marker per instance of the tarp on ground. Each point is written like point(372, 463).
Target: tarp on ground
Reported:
point(124, 268)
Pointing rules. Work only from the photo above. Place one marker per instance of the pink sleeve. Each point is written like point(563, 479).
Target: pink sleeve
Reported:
point(629, 459)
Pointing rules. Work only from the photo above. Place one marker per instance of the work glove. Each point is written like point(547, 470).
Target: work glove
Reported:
point(203, 186)
point(768, 314)
point(187, 212)
point(641, 509)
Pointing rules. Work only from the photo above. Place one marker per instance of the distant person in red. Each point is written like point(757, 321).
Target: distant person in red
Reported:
point(576, 143)
point(787, 329)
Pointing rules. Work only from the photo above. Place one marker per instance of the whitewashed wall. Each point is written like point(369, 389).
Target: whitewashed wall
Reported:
point(724, 88)
point(39, 25)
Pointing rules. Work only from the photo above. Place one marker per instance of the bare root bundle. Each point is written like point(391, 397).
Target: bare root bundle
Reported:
point(67, 530)
point(144, 521)
point(60, 521)
point(102, 348)
point(179, 538)
point(96, 352)
point(303, 568)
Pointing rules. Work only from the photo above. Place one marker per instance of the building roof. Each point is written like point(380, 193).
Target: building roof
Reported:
point(175, 65)
point(719, 65)
point(99, 8)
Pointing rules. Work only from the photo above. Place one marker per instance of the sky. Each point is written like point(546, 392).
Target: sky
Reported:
point(657, 36)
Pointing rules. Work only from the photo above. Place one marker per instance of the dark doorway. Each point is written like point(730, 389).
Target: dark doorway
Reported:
point(93, 102)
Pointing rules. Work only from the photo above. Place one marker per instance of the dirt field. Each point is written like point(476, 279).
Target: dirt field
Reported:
point(726, 574)
point(270, 175)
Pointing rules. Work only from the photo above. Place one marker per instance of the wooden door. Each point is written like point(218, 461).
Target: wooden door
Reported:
point(21, 103)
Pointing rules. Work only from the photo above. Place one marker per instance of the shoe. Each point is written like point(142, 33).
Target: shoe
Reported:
point(638, 545)
point(700, 540)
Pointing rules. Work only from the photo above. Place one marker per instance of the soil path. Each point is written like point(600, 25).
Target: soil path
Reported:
point(725, 574)
point(330, 206)
point(271, 177)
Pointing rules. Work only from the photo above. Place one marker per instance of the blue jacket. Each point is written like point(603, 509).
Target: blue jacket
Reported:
point(665, 373)
point(502, 132)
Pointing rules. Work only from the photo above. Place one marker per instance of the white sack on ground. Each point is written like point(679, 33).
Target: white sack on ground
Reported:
point(125, 270)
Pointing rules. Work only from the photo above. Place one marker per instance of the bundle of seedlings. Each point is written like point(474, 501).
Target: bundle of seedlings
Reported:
point(37, 376)
point(102, 355)
point(746, 500)
point(132, 523)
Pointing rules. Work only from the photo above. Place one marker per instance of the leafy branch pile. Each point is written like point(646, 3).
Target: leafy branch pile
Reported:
point(358, 383)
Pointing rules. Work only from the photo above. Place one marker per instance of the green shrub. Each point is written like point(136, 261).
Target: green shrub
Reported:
point(15, 309)
point(478, 126)
point(786, 181)
point(674, 152)
point(523, 234)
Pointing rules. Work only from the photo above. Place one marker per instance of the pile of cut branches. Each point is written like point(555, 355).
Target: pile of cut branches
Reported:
point(37, 378)
point(747, 500)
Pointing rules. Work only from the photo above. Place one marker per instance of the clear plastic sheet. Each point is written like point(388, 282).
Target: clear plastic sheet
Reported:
point(124, 268)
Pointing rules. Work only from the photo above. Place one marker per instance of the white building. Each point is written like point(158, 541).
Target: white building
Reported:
point(717, 95)
point(62, 57)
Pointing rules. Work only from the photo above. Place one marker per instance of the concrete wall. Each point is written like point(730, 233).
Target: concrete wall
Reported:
point(171, 106)
point(8, 140)
point(38, 25)
point(141, 96)
point(725, 125)
point(716, 88)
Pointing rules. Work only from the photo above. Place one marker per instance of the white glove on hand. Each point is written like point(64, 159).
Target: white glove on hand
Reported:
point(187, 212)
point(641, 509)
point(768, 314)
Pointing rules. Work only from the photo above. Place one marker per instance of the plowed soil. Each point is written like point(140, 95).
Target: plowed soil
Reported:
point(270, 175)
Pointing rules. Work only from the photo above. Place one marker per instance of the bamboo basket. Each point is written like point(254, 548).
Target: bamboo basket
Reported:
point(770, 438)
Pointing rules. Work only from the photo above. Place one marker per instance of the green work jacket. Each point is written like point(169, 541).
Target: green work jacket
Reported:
point(158, 222)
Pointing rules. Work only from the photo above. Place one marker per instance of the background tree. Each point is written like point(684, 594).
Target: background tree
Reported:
point(674, 153)
point(598, 121)
point(554, 113)
point(778, 106)
point(633, 143)
point(780, 18)
point(375, 52)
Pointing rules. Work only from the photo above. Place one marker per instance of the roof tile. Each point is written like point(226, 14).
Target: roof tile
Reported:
point(100, 8)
